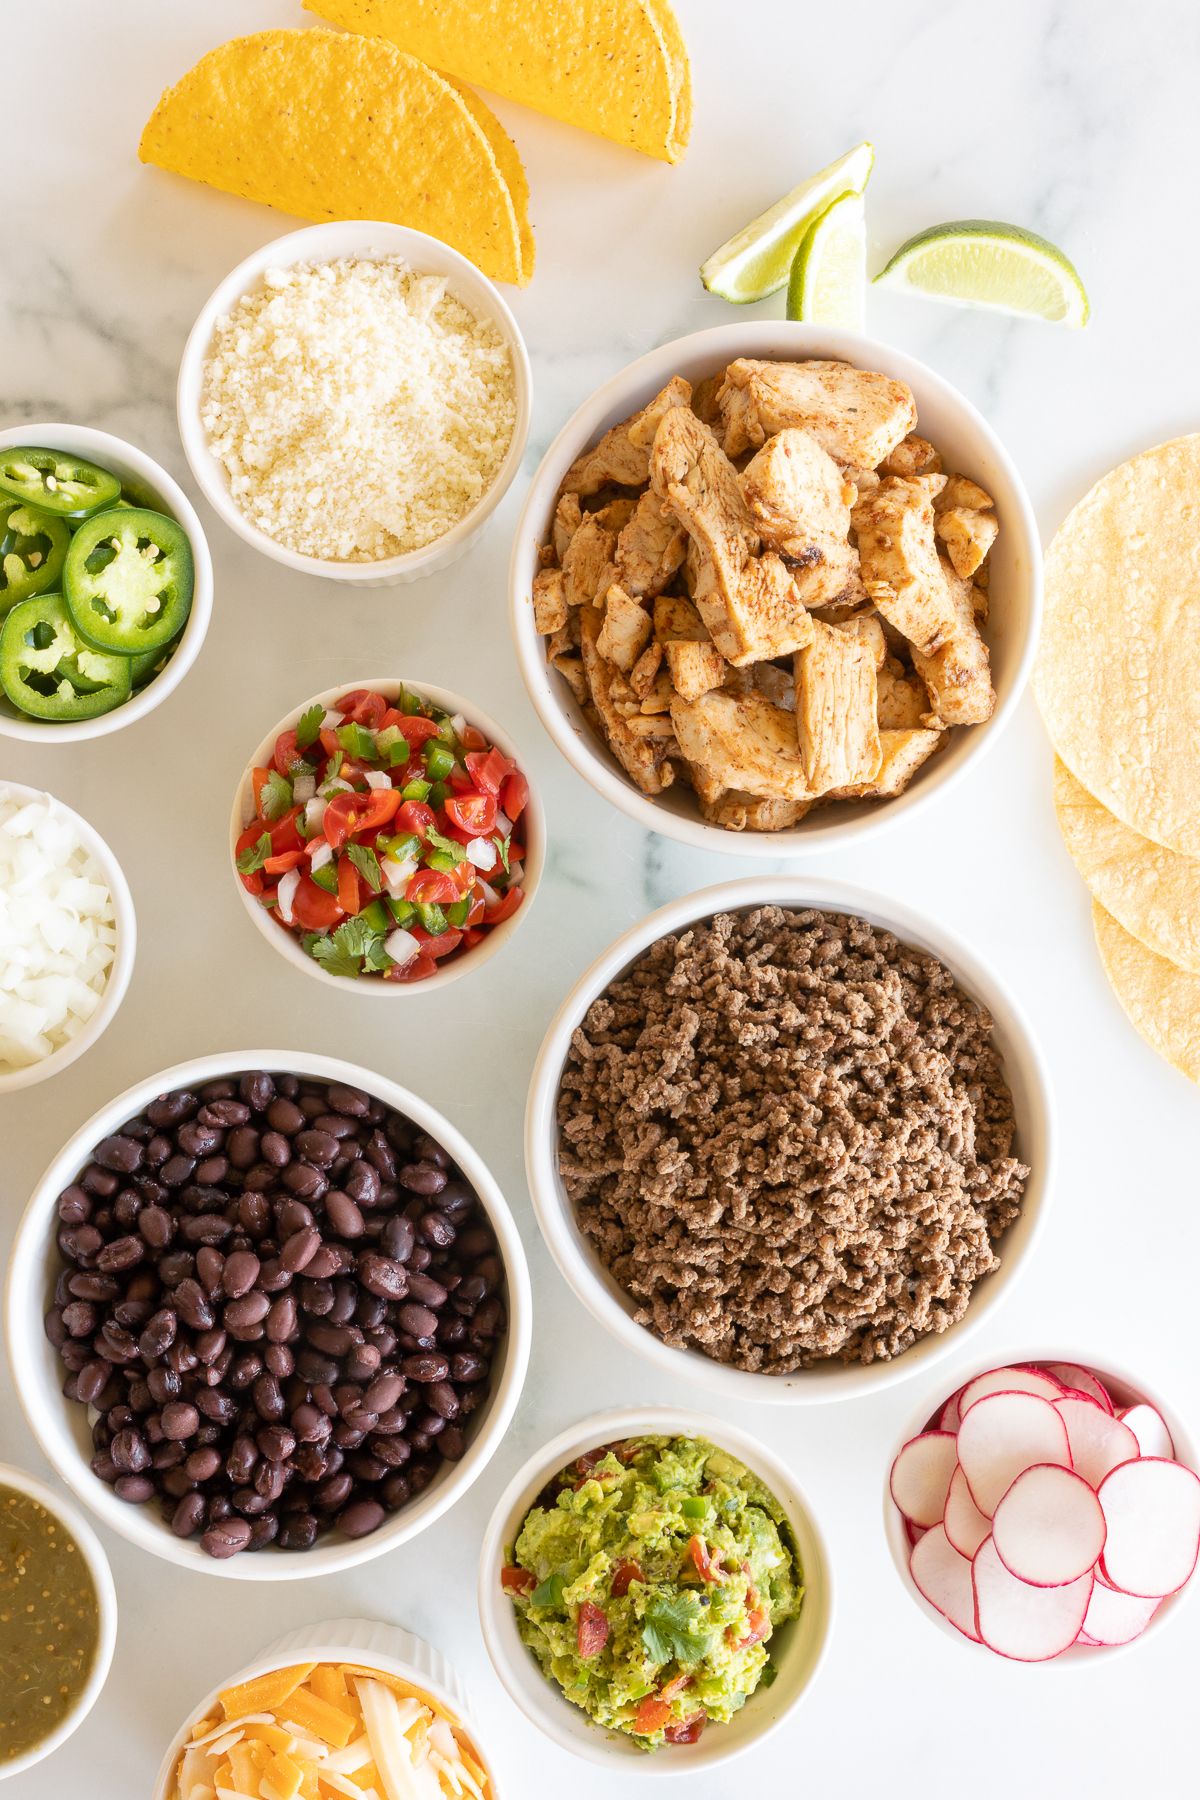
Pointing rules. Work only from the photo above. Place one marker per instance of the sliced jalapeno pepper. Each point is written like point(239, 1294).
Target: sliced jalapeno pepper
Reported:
point(33, 548)
point(128, 580)
point(47, 671)
point(56, 482)
point(146, 665)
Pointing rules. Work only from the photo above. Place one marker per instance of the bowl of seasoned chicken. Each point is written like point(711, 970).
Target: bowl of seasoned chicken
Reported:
point(775, 585)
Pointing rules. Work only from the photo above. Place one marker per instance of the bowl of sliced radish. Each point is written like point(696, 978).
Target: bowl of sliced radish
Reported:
point(1046, 1509)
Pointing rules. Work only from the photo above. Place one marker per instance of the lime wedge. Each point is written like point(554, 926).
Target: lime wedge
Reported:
point(829, 276)
point(980, 262)
point(756, 261)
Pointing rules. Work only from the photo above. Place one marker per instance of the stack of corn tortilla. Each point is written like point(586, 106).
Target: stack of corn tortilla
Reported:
point(1118, 683)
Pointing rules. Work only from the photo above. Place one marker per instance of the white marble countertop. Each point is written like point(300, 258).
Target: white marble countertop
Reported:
point(1065, 117)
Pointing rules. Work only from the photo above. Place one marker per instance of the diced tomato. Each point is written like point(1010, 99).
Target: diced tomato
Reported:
point(287, 859)
point(348, 815)
point(477, 906)
point(488, 769)
point(362, 707)
point(415, 816)
point(258, 780)
point(329, 740)
point(651, 1715)
point(284, 833)
point(514, 795)
point(313, 909)
point(591, 1629)
point(678, 1684)
point(417, 731)
point(419, 969)
point(431, 887)
point(623, 1574)
point(686, 1731)
point(472, 738)
point(473, 812)
point(438, 947)
point(287, 753)
point(508, 905)
point(515, 1580)
point(472, 937)
point(706, 1568)
point(253, 884)
point(349, 893)
point(459, 782)
point(758, 1620)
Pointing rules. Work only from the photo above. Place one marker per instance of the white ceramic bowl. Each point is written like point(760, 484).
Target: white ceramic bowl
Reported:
point(286, 943)
point(388, 1648)
point(797, 1650)
point(1126, 1388)
point(967, 443)
point(121, 967)
point(597, 1288)
point(92, 1551)
point(140, 471)
point(367, 240)
point(60, 1425)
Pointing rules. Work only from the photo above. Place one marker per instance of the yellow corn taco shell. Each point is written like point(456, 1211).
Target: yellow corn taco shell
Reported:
point(331, 126)
point(616, 67)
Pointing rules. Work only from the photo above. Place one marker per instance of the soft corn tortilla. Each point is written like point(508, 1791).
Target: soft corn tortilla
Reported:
point(1118, 676)
point(1154, 893)
point(617, 67)
point(1161, 1002)
point(331, 126)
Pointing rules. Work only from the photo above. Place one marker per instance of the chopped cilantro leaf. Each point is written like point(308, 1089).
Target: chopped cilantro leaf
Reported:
point(674, 1628)
point(252, 859)
point(276, 796)
point(367, 864)
point(309, 727)
point(503, 846)
point(447, 846)
point(341, 951)
point(376, 958)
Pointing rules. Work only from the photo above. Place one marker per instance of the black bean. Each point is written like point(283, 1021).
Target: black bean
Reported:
point(224, 1113)
point(300, 1249)
point(360, 1518)
point(179, 1420)
point(212, 1171)
point(422, 1178)
point(285, 1116)
point(129, 1451)
point(198, 1140)
point(226, 1538)
point(240, 1273)
point(257, 1090)
point(136, 1489)
point(299, 1532)
point(276, 1149)
point(425, 1289)
point(380, 1275)
point(120, 1153)
point(426, 1366)
point(342, 1214)
point(188, 1515)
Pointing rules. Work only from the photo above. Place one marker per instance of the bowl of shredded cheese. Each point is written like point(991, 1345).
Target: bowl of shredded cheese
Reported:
point(348, 1707)
point(67, 936)
point(354, 401)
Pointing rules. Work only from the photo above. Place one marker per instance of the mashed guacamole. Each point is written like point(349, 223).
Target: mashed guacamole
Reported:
point(648, 1583)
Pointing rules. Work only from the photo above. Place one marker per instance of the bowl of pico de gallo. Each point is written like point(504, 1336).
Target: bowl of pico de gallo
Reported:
point(384, 835)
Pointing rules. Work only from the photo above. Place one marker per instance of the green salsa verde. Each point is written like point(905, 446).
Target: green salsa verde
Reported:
point(49, 1623)
point(649, 1582)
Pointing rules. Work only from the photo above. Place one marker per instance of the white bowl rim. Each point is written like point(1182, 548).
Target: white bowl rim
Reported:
point(579, 1268)
point(497, 937)
point(92, 1550)
point(1187, 1452)
point(327, 1646)
point(598, 1745)
point(23, 1297)
point(308, 244)
point(125, 917)
point(588, 757)
point(96, 445)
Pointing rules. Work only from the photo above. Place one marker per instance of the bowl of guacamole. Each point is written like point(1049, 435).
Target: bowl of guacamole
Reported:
point(656, 1582)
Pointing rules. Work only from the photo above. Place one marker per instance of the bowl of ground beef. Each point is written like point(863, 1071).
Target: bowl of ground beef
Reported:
point(789, 1139)
point(268, 1314)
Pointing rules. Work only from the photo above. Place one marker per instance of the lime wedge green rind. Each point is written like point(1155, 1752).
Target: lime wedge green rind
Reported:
point(829, 274)
point(757, 260)
point(983, 262)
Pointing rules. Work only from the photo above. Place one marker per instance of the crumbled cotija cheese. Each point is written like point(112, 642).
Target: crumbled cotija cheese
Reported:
point(359, 409)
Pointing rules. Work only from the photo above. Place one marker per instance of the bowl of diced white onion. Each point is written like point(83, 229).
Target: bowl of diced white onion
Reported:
point(67, 936)
point(459, 709)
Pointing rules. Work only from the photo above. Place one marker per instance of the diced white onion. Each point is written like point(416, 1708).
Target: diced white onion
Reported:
point(335, 785)
point(401, 946)
point(303, 788)
point(321, 855)
point(287, 893)
point(490, 896)
point(503, 824)
point(482, 853)
point(398, 872)
point(458, 724)
point(331, 721)
point(314, 815)
point(378, 778)
point(516, 870)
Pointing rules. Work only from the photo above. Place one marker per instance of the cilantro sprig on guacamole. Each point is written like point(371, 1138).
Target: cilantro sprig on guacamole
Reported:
point(649, 1585)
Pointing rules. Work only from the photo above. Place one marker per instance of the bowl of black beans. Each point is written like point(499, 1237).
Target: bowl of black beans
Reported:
point(269, 1314)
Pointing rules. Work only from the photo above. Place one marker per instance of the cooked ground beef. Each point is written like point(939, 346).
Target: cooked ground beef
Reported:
point(789, 1137)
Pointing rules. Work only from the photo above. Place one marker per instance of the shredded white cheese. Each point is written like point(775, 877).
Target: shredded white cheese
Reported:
point(57, 931)
point(358, 408)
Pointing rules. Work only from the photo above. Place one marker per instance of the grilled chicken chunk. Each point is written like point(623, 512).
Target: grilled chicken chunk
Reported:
point(748, 600)
point(800, 503)
point(625, 631)
point(912, 456)
point(958, 673)
point(623, 453)
point(836, 723)
point(549, 601)
point(746, 812)
point(968, 536)
point(857, 415)
point(649, 548)
point(897, 550)
point(588, 566)
point(903, 701)
point(901, 755)
point(567, 515)
point(644, 759)
point(743, 742)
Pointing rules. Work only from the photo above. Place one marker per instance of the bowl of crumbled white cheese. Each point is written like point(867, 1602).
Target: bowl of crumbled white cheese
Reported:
point(354, 401)
point(67, 936)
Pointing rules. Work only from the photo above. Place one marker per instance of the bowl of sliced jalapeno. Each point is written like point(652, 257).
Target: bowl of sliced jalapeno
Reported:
point(105, 583)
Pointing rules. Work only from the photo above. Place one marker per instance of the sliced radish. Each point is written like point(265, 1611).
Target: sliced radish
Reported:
point(950, 1417)
point(921, 1475)
point(1004, 1434)
point(1049, 1529)
point(1150, 1429)
point(1098, 1441)
point(1152, 1509)
point(944, 1577)
point(1074, 1375)
point(1028, 1624)
point(914, 1533)
point(1114, 1618)
point(1008, 1381)
point(966, 1527)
